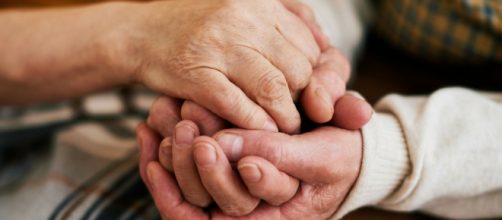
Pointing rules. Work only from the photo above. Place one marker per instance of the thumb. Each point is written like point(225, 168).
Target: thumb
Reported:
point(309, 156)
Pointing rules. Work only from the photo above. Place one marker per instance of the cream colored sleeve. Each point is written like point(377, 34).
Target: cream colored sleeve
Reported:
point(440, 154)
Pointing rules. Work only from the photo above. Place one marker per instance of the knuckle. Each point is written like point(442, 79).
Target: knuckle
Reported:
point(302, 76)
point(231, 105)
point(271, 87)
point(236, 209)
point(272, 148)
point(226, 102)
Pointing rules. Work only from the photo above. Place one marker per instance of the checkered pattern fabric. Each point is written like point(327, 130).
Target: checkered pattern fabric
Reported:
point(444, 30)
point(76, 159)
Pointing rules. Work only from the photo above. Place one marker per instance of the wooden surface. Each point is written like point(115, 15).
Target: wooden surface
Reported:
point(381, 70)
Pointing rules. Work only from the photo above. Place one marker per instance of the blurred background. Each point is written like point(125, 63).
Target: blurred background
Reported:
point(411, 47)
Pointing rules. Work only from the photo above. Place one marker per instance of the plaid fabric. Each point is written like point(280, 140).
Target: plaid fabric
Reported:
point(444, 31)
point(74, 160)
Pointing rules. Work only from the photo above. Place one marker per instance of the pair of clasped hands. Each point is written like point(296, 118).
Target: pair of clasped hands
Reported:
point(231, 137)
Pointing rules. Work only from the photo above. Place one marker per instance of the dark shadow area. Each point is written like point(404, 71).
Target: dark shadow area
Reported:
point(384, 69)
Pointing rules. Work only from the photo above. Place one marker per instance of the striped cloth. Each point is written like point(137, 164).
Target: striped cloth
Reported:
point(444, 30)
point(74, 160)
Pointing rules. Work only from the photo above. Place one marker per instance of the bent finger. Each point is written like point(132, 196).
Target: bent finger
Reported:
point(164, 114)
point(184, 165)
point(267, 86)
point(298, 33)
point(166, 154)
point(220, 180)
point(351, 112)
point(148, 142)
point(228, 101)
point(266, 182)
point(319, 98)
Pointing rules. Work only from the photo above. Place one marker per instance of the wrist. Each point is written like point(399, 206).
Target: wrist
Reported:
point(128, 43)
point(117, 45)
point(384, 167)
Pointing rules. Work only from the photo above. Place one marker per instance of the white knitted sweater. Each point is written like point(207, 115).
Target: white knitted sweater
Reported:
point(439, 154)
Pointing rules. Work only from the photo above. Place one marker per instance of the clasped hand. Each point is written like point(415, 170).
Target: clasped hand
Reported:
point(190, 159)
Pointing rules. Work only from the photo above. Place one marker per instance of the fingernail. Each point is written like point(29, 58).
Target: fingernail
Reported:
point(205, 154)
point(166, 147)
point(184, 135)
point(150, 172)
point(270, 125)
point(250, 172)
point(232, 141)
point(325, 97)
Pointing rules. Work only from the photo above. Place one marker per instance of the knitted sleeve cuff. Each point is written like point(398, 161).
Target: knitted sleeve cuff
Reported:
point(385, 164)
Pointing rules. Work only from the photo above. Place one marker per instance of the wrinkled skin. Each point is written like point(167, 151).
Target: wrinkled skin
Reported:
point(320, 167)
point(283, 161)
point(246, 61)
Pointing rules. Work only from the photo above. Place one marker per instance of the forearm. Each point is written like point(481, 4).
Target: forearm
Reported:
point(54, 54)
point(439, 154)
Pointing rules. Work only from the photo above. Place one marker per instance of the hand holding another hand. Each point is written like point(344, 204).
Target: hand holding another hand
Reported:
point(326, 161)
point(246, 61)
point(176, 153)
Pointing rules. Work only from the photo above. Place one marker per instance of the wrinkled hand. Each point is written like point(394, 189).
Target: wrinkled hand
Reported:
point(326, 161)
point(349, 112)
point(329, 76)
point(246, 61)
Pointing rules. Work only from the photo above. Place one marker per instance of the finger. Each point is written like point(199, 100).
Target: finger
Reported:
point(167, 196)
point(265, 84)
point(265, 181)
point(305, 13)
point(319, 98)
point(295, 66)
point(166, 154)
point(228, 101)
point(164, 114)
point(334, 59)
point(351, 112)
point(148, 142)
point(296, 32)
point(219, 179)
point(325, 88)
point(207, 122)
point(184, 166)
point(293, 154)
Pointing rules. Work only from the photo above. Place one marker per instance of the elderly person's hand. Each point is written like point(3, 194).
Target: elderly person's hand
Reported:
point(246, 61)
point(349, 112)
point(326, 161)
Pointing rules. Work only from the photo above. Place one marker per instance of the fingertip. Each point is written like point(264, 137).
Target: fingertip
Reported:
point(351, 112)
point(185, 132)
point(265, 181)
point(249, 172)
point(317, 103)
point(204, 154)
point(270, 125)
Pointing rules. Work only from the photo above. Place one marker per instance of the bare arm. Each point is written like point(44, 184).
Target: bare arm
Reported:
point(54, 54)
point(246, 61)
